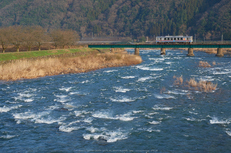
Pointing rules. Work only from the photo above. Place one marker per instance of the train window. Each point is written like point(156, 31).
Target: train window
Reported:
point(174, 38)
point(171, 38)
point(168, 38)
point(164, 38)
point(178, 38)
point(181, 38)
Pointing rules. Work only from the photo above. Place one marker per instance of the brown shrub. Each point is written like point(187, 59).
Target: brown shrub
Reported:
point(192, 82)
point(203, 86)
point(204, 64)
point(179, 80)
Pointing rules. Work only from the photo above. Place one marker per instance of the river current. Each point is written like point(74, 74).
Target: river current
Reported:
point(124, 109)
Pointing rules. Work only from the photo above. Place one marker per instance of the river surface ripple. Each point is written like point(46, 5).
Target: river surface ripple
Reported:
point(126, 109)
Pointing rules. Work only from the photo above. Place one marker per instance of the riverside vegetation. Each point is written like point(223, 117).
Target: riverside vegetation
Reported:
point(205, 86)
point(73, 62)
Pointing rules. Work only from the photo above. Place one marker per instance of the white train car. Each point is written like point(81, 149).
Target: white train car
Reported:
point(174, 39)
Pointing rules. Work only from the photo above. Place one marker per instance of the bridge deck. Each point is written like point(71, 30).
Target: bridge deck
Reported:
point(161, 46)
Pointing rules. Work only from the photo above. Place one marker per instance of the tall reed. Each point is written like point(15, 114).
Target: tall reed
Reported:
point(204, 86)
point(28, 69)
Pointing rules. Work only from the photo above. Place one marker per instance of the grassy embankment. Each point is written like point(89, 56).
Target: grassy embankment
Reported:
point(29, 65)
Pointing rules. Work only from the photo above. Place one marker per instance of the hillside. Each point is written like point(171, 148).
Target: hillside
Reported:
point(206, 18)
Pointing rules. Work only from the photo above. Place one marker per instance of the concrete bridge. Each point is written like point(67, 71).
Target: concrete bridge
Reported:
point(190, 47)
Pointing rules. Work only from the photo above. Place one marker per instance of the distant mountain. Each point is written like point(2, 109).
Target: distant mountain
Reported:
point(137, 18)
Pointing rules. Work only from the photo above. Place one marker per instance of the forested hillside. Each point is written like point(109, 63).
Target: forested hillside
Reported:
point(136, 18)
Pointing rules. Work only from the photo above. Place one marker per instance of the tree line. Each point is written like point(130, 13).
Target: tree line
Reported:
point(35, 36)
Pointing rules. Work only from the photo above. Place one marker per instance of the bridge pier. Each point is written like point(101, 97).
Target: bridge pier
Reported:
point(163, 51)
point(220, 52)
point(137, 51)
point(190, 52)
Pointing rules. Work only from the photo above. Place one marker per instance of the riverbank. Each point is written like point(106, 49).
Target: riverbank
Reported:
point(79, 62)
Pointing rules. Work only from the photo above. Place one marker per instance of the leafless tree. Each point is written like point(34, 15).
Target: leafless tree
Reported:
point(41, 36)
point(28, 34)
point(4, 38)
point(64, 37)
point(16, 36)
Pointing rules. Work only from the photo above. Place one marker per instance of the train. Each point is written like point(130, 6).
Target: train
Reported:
point(174, 39)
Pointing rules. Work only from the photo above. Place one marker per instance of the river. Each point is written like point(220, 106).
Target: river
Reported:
point(125, 109)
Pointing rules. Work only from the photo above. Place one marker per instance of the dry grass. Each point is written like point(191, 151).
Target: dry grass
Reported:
point(30, 68)
point(204, 86)
point(204, 64)
point(179, 80)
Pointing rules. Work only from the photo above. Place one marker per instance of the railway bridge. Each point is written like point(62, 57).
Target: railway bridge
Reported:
point(190, 47)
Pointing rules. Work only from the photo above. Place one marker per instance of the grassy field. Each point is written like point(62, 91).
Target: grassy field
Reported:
point(33, 54)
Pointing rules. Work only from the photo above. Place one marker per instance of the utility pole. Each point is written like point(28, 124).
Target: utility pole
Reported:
point(222, 38)
point(195, 38)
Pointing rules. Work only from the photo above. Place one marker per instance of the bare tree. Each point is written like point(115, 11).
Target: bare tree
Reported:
point(4, 38)
point(16, 36)
point(56, 37)
point(40, 36)
point(28, 37)
point(64, 37)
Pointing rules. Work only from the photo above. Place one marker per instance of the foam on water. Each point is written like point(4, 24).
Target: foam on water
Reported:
point(137, 112)
point(178, 92)
point(228, 132)
point(149, 68)
point(164, 96)
point(7, 136)
point(109, 71)
point(93, 130)
point(81, 113)
point(67, 89)
point(154, 122)
point(26, 97)
point(107, 115)
point(88, 120)
point(215, 120)
point(86, 81)
point(193, 119)
point(42, 117)
point(49, 120)
point(5, 109)
point(153, 130)
point(160, 107)
point(122, 99)
point(107, 136)
point(73, 126)
point(62, 98)
point(143, 79)
point(67, 129)
point(121, 89)
point(128, 77)
point(169, 63)
point(207, 78)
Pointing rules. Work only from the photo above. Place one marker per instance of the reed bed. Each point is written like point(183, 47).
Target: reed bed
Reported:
point(204, 64)
point(203, 86)
point(178, 80)
point(34, 68)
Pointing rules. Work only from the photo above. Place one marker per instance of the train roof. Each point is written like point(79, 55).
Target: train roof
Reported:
point(173, 36)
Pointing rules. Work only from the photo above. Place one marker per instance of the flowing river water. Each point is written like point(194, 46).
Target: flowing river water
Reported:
point(125, 109)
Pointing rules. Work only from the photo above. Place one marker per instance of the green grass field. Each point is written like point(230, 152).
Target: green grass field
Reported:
point(32, 54)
